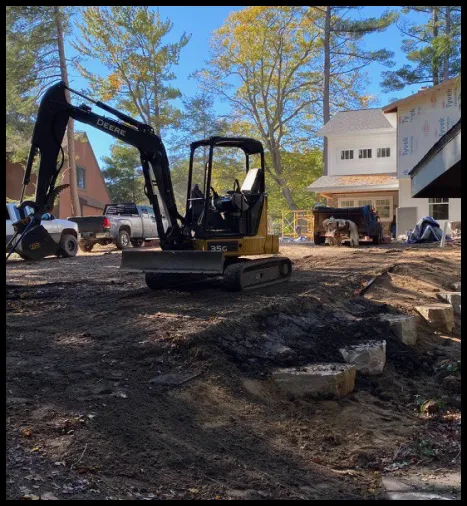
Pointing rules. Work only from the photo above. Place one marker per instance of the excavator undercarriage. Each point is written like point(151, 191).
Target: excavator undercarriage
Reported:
point(215, 237)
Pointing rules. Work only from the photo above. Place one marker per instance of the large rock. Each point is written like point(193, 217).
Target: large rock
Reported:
point(402, 326)
point(440, 316)
point(317, 380)
point(368, 358)
point(453, 298)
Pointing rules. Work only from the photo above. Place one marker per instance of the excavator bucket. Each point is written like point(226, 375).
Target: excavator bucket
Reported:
point(173, 262)
point(37, 244)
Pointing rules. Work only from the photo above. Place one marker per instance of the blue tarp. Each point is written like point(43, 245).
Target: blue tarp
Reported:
point(426, 230)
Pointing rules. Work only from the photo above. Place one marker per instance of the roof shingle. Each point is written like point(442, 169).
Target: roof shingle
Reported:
point(348, 121)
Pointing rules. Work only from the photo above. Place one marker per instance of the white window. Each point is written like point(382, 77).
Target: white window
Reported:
point(347, 154)
point(81, 177)
point(383, 208)
point(382, 205)
point(439, 208)
point(364, 153)
point(383, 152)
point(346, 203)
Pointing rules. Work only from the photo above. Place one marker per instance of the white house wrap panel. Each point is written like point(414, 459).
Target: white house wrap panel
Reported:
point(422, 121)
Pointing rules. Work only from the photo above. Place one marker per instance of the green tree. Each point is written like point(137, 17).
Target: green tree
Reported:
point(123, 174)
point(31, 65)
point(199, 121)
point(344, 57)
point(300, 170)
point(129, 41)
point(432, 48)
point(264, 63)
point(35, 59)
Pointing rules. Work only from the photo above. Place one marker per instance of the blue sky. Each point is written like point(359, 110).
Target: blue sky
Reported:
point(200, 22)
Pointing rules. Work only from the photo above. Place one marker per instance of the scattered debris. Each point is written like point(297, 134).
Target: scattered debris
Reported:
point(174, 379)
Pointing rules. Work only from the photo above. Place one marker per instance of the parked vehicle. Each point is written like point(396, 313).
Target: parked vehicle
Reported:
point(121, 224)
point(367, 221)
point(63, 232)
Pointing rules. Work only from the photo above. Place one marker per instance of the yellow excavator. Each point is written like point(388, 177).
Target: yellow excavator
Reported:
point(216, 235)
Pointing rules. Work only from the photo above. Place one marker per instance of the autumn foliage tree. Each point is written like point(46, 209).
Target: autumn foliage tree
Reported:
point(262, 63)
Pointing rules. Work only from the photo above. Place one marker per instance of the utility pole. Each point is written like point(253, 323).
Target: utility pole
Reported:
point(75, 207)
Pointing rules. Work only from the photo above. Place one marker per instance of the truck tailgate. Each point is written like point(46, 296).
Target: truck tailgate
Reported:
point(89, 223)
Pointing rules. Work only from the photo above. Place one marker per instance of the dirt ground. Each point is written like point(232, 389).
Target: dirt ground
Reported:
point(84, 421)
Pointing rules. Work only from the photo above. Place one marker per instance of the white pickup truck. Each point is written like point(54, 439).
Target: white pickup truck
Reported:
point(63, 232)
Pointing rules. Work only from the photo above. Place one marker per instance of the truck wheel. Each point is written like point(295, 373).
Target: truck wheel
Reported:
point(137, 243)
point(123, 241)
point(85, 246)
point(317, 239)
point(68, 246)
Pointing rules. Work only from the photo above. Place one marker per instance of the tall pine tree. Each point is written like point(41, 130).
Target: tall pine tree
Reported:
point(344, 57)
point(432, 47)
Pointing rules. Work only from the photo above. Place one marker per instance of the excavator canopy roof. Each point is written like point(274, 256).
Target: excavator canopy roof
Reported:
point(249, 146)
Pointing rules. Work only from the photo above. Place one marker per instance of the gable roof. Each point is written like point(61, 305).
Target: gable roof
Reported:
point(349, 121)
point(392, 107)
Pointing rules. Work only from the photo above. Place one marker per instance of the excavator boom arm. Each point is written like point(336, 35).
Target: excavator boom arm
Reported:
point(49, 130)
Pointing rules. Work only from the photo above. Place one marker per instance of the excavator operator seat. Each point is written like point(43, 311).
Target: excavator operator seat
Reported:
point(252, 182)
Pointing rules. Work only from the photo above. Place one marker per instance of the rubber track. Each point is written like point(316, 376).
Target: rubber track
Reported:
point(233, 274)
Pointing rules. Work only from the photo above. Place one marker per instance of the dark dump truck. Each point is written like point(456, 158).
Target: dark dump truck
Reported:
point(367, 221)
point(124, 225)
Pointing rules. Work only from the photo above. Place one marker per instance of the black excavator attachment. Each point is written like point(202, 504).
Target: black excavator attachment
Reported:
point(37, 243)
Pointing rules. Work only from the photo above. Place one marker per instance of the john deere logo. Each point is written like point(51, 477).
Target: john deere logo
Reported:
point(35, 245)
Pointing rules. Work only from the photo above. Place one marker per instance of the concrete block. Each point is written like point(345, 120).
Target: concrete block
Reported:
point(403, 326)
point(453, 298)
point(440, 316)
point(317, 380)
point(368, 358)
point(457, 286)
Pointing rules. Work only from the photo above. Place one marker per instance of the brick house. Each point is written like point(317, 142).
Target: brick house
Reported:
point(92, 191)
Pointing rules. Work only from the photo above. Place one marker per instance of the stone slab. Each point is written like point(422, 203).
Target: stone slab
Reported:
point(440, 316)
point(453, 298)
point(368, 358)
point(317, 380)
point(403, 326)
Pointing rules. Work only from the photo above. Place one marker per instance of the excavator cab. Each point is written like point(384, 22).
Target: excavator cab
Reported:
point(235, 213)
